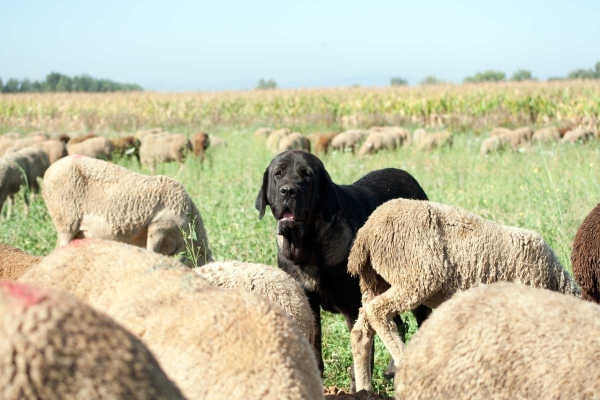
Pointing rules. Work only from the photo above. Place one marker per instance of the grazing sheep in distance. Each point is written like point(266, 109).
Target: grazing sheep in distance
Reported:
point(546, 135)
point(267, 281)
point(347, 140)
point(493, 144)
point(585, 256)
point(14, 262)
point(200, 144)
point(274, 138)
point(213, 343)
point(125, 146)
point(294, 141)
point(96, 147)
point(16, 168)
point(504, 341)
point(11, 180)
point(418, 136)
point(402, 134)
point(261, 134)
point(577, 136)
point(54, 149)
point(56, 347)
point(435, 140)
point(428, 251)
point(164, 147)
point(322, 141)
point(63, 138)
point(91, 198)
point(380, 139)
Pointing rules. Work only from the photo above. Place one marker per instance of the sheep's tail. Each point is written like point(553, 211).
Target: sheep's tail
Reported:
point(359, 264)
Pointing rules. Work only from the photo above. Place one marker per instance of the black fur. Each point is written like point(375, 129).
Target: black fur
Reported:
point(315, 243)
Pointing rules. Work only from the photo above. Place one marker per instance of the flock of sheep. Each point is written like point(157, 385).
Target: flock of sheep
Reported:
point(379, 138)
point(111, 314)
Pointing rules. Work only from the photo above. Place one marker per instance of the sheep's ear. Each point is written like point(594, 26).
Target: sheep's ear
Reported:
point(329, 202)
point(261, 200)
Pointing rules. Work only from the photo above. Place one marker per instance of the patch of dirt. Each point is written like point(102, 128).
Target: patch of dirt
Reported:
point(334, 393)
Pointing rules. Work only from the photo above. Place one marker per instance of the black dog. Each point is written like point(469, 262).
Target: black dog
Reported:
point(317, 222)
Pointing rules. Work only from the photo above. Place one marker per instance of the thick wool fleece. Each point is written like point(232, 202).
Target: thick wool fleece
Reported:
point(504, 341)
point(14, 262)
point(213, 343)
point(96, 199)
point(55, 347)
point(267, 281)
point(585, 257)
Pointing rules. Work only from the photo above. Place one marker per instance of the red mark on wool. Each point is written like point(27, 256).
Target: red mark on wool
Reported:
point(26, 295)
point(78, 156)
point(79, 242)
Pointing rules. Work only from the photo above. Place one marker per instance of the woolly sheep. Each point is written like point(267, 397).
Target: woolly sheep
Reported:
point(14, 262)
point(322, 141)
point(380, 140)
point(546, 135)
point(585, 257)
point(577, 136)
point(347, 140)
point(86, 197)
point(80, 139)
point(11, 180)
point(56, 347)
point(16, 168)
point(97, 147)
point(164, 147)
point(504, 341)
point(200, 144)
point(214, 343)
point(6, 143)
point(274, 138)
point(435, 140)
point(404, 136)
point(54, 149)
point(493, 144)
point(266, 281)
point(428, 251)
point(261, 134)
point(294, 141)
point(126, 146)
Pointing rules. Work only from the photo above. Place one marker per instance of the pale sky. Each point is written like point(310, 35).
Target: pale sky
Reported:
point(226, 44)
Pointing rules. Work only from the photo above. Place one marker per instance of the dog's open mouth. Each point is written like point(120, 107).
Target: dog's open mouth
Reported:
point(287, 215)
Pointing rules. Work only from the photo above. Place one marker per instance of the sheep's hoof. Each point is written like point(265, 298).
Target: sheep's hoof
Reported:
point(390, 371)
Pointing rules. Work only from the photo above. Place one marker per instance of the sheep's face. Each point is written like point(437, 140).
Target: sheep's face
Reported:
point(298, 189)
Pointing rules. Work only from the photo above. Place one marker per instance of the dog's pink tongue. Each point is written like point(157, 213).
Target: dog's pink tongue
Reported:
point(288, 214)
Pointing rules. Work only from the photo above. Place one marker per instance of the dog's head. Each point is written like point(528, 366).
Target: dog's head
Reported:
point(299, 191)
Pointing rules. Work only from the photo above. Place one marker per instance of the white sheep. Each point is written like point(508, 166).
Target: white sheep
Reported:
point(380, 138)
point(267, 281)
point(347, 140)
point(293, 141)
point(546, 135)
point(164, 147)
point(504, 341)
point(213, 343)
point(493, 144)
point(91, 198)
point(56, 347)
point(428, 251)
point(435, 140)
point(96, 147)
point(261, 134)
point(272, 142)
point(577, 135)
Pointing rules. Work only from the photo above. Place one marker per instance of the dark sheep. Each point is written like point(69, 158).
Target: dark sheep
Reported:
point(200, 143)
point(585, 257)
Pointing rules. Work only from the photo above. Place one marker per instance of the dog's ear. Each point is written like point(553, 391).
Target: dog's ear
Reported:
point(261, 200)
point(329, 202)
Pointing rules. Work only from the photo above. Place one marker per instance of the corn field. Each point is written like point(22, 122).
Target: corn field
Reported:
point(467, 107)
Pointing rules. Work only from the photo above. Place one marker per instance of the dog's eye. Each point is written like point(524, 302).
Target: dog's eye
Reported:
point(277, 173)
point(306, 174)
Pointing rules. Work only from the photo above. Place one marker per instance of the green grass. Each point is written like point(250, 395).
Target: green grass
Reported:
point(548, 190)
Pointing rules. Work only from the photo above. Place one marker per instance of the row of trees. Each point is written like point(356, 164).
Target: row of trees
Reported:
point(56, 82)
point(499, 76)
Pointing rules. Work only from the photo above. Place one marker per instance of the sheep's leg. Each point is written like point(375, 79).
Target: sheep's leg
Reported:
point(26, 199)
point(362, 339)
point(9, 205)
point(3, 197)
point(380, 314)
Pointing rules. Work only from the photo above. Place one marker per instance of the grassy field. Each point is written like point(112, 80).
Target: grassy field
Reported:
point(549, 190)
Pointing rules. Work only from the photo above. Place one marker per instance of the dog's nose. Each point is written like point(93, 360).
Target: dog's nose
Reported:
point(287, 191)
